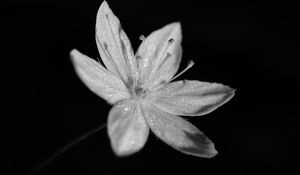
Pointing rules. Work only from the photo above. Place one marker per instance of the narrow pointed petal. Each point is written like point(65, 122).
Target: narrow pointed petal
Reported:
point(98, 79)
point(114, 45)
point(127, 129)
point(191, 98)
point(159, 56)
point(178, 133)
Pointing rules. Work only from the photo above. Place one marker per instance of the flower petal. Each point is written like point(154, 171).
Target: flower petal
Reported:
point(192, 98)
point(98, 79)
point(127, 129)
point(159, 56)
point(178, 133)
point(113, 45)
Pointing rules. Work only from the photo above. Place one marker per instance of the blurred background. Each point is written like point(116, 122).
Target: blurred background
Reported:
point(252, 46)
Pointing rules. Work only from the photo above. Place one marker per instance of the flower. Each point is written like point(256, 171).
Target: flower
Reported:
point(141, 90)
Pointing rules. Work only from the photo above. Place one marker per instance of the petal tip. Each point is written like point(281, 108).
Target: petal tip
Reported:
point(124, 153)
point(73, 52)
point(104, 5)
point(201, 146)
point(76, 56)
point(176, 26)
point(230, 93)
point(103, 9)
point(212, 151)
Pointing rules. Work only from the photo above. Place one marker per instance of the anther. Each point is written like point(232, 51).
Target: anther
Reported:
point(190, 64)
point(171, 40)
point(142, 38)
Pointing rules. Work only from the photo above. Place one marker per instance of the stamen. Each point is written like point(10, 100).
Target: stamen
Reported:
point(98, 60)
point(170, 42)
point(190, 64)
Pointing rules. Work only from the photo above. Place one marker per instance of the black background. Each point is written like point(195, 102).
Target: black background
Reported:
point(250, 46)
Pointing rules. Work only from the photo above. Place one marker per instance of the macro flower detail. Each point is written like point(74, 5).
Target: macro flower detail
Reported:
point(142, 90)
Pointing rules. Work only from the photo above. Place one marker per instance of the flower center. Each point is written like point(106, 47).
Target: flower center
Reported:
point(135, 90)
point(140, 92)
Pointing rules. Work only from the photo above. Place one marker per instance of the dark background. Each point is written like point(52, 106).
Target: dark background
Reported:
point(251, 46)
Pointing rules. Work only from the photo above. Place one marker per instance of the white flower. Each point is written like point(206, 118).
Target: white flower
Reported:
point(141, 90)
